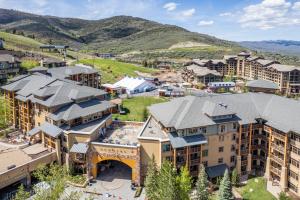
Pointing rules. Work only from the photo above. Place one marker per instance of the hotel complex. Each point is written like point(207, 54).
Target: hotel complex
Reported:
point(245, 66)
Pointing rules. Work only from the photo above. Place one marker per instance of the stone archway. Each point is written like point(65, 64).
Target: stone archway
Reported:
point(132, 161)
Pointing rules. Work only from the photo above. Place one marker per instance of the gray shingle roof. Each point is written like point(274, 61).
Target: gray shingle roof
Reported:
point(50, 129)
point(8, 58)
point(284, 68)
point(76, 110)
point(213, 109)
point(38, 69)
point(178, 141)
point(262, 84)
point(265, 62)
point(202, 71)
point(187, 112)
point(63, 72)
point(79, 148)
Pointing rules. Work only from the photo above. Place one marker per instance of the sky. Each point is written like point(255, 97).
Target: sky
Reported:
point(235, 20)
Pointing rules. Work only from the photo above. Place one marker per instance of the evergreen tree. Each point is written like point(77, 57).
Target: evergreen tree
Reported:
point(151, 180)
point(235, 179)
point(184, 181)
point(225, 190)
point(168, 188)
point(283, 196)
point(201, 185)
point(22, 194)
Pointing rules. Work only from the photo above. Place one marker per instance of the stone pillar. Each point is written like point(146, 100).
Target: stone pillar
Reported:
point(28, 179)
point(238, 164)
point(249, 163)
point(283, 178)
point(58, 151)
point(267, 172)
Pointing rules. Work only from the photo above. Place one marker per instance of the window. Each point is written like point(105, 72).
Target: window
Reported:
point(232, 159)
point(220, 160)
point(204, 153)
point(166, 147)
point(39, 124)
point(232, 148)
point(293, 175)
point(221, 138)
point(294, 162)
point(233, 137)
point(205, 163)
point(234, 125)
point(222, 128)
point(221, 149)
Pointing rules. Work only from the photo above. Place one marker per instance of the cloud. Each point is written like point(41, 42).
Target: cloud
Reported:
point(296, 6)
point(188, 13)
point(205, 23)
point(269, 14)
point(170, 6)
point(226, 14)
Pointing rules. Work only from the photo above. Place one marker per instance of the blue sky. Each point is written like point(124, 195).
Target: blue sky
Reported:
point(235, 20)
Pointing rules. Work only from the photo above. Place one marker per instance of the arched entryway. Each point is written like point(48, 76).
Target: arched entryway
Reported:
point(113, 174)
point(107, 166)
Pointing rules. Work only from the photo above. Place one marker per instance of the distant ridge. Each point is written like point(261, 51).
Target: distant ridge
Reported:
point(116, 34)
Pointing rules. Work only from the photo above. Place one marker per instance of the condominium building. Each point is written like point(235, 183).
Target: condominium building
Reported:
point(9, 65)
point(255, 133)
point(195, 74)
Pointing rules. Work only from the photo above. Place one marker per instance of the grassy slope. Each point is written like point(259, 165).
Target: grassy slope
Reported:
point(136, 106)
point(259, 190)
point(22, 43)
point(112, 70)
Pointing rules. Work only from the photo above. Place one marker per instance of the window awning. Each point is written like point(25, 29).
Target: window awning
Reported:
point(79, 148)
point(216, 171)
point(179, 142)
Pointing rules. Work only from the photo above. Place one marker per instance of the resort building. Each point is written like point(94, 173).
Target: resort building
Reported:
point(260, 85)
point(83, 74)
point(52, 62)
point(9, 65)
point(195, 74)
point(255, 133)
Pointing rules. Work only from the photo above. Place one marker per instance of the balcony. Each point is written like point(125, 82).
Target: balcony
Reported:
point(275, 171)
point(277, 159)
point(195, 161)
point(278, 136)
point(244, 162)
point(277, 147)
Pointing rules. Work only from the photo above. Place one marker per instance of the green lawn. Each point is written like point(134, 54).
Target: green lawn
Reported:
point(113, 70)
point(29, 64)
point(3, 109)
point(136, 108)
point(258, 188)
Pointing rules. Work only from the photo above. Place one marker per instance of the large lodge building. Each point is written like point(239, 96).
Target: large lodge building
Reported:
point(248, 67)
point(253, 132)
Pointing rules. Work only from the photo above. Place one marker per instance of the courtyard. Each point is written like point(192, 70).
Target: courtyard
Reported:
point(113, 182)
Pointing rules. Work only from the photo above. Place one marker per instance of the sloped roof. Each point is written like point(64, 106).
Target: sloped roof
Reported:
point(178, 141)
point(260, 83)
point(216, 171)
point(38, 69)
point(47, 128)
point(76, 110)
point(63, 72)
point(79, 148)
point(284, 68)
point(202, 71)
point(8, 58)
point(213, 109)
point(187, 112)
point(265, 62)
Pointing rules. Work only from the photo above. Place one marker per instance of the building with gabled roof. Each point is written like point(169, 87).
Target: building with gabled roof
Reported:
point(9, 65)
point(253, 132)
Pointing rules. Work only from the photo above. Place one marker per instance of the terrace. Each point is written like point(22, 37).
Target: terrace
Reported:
point(122, 133)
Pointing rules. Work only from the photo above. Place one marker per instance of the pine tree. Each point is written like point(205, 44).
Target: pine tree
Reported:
point(151, 180)
point(22, 194)
point(225, 190)
point(184, 181)
point(168, 187)
point(201, 185)
point(235, 179)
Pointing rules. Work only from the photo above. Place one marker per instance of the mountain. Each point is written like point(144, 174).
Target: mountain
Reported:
point(286, 47)
point(116, 34)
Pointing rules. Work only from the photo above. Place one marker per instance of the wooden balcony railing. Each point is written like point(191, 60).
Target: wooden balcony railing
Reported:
point(277, 147)
point(276, 159)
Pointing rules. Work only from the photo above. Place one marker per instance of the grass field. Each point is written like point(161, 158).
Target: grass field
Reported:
point(112, 70)
point(3, 108)
point(29, 64)
point(256, 190)
point(136, 108)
